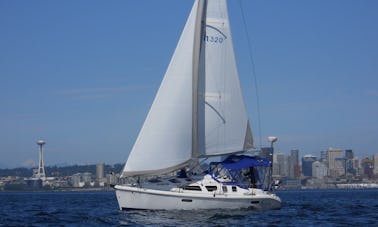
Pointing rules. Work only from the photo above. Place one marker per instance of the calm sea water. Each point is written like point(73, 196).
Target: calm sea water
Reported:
point(300, 208)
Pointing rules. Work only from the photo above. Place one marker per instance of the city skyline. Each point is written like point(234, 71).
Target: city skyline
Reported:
point(334, 169)
point(82, 77)
point(299, 155)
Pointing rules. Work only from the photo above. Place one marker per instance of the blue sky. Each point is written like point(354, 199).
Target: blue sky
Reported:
point(82, 74)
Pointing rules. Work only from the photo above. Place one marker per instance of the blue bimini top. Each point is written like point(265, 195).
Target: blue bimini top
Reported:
point(237, 162)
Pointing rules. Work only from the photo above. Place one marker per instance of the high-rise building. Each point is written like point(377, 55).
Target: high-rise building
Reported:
point(100, 172)
point(307, 161)
point(280, 167)
point(349, 163)
point(376, 163)
point(356, 163)
point(340, 166)
point(349, 167)
point(349, 154)
point(334, 168)
point(357, 166)
point(294, 171)
point(324, 156)
point(319, 169)
point(275, 165)
point(367, 165)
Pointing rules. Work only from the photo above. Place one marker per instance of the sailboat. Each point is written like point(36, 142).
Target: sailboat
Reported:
point(198, 112)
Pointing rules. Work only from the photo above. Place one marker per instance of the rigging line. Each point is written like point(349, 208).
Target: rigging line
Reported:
point(253, 71)
point(191, 168)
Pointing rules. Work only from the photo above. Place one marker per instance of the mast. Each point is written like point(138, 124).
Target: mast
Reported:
point(200, 29)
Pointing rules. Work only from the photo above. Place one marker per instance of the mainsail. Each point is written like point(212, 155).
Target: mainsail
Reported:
point(199, 109)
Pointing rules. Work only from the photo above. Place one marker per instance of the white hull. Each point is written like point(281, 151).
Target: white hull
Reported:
point(130, 197)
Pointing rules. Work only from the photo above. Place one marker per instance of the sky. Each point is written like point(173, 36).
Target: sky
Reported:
point(82, 74)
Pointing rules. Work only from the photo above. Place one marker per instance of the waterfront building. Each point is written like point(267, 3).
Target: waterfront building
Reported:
point(349, 163)
point(112, 178)
point(280, 167)
point(76, 180)
point(319, 169)
point(340, 166)
point(100, 172)
point(87, 177)
point(291, 183)
point(357, 167)
point(350, 167)
point(334, 169)
point(81, 179)
point(376, 164)
point(294, 170)
point(349, 154)
point(275, 165)
point(356, 163)
point(367, 165)
point(307, 161)
point(324, 156)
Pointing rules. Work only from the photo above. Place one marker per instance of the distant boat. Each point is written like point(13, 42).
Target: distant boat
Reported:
point(198, 112)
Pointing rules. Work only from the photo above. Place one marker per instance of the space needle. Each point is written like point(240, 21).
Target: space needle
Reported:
point(41, 167)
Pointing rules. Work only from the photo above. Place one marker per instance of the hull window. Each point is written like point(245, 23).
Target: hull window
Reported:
point(211, 188)
point(192, 188)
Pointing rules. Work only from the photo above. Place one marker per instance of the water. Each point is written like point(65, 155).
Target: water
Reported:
point(300, 208)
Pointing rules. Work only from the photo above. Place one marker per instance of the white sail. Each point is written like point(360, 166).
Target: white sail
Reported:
point(226, 122)
point(165, 140)
point(199, 109)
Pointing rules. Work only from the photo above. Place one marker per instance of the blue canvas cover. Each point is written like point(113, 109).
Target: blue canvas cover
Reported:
point(237, 162)
point(236, 166)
